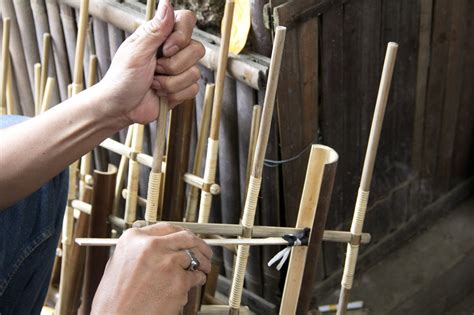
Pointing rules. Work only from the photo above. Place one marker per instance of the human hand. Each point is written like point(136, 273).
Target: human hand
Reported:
point(147, 272)
point(136, 79)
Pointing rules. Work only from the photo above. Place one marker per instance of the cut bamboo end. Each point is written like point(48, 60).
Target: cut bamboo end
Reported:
point(44, 65)
point(47, 95)
point(81, 42)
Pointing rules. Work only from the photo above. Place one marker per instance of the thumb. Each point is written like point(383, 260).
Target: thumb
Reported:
point(150, 35)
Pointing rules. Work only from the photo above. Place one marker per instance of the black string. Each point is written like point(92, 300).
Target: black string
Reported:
point(276, 163)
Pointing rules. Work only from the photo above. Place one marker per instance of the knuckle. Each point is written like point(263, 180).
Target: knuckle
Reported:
point(189, 16)
point(198, 48)
point(196, 73)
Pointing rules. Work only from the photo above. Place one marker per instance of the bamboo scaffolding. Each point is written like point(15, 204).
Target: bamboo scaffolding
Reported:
point(367, 171)
point(248, 216)
point(213, 141)
point(68, 226)
point(193, 195)
point(5, 62)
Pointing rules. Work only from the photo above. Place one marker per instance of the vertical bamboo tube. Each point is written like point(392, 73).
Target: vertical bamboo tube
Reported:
point(137, 142)
point(248, 216)
point(47, 94)
point(212, 142)
point(45, 62)
point(193, 194)
point(122, 170)
point(68, 225)
point(10, 98)
point(255, 125)
point(70, 34)
point(364, 188)
point(37, 91)
point(5, 62)
point(306, 213)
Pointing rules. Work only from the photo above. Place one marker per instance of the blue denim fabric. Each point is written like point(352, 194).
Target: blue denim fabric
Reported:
point(29, 234)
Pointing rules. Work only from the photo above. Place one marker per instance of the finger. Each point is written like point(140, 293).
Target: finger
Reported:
point(181, 36)
point(183, 95)
point(176, 83)
point(187, 240)
point(183, 259)
point(161, 229)
point(181, 61)
point(150, 35)
point(197, 278)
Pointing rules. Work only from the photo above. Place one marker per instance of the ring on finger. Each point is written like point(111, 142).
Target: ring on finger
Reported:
point(194, 263)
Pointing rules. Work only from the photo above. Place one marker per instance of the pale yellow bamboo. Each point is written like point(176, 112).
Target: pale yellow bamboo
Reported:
point(193, 195)
point(364, 188)
point(10, 99)
point(45, 64)
point(47, 94)
point(309, 200)
point(254, 127)
point(122, 170)
point(213, 140)
point(37, 91)
point(248, 216)
point(5, 62)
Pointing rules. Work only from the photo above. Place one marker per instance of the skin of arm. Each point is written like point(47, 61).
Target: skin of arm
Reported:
point(33, 152)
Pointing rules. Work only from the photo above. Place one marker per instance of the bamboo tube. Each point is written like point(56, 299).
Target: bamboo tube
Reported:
point(86, 159)
point(364, 188)
point(37, 92)
point(10, 98)
point(213, 144)
point(5, 62)
point(248, 216)
point(254, 127)
point(68, 227)
point(306, 213)
point(122, 170)
point(193, 195)
point(198, 182)
point(70, 35)
point(45, 63)
point(47, 94)
point(127, 152)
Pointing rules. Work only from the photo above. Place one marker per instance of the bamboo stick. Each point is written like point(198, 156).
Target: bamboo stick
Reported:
point(37, 92)
point(122, 170)
point(364, 188)
point(47, 94)
point(10, 98)
point(45, 63)
point(213, 141)
point(5, 62)
point(198, 183)
point(248, 216)
point(127, 152)
point(193, 195)
point(254, 127)
point(306, 213)
point(68, 227)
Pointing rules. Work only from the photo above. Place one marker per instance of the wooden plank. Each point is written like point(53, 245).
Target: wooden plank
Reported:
point(452, 96)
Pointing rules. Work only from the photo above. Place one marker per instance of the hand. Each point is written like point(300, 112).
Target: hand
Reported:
point(136, 78)
point(147, 272)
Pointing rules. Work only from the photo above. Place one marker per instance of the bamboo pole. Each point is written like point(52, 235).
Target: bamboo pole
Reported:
point(306, 213)
point(10, 98)
point(47, 94)
point(45, 63)
point(193, 195)
point(254, 127)
point(122, 170)
point(5, 62)
point(213, 141)
point(68, 225)
point(127, 152)
point(364, 188)
point(37, 92)
point(248, 216)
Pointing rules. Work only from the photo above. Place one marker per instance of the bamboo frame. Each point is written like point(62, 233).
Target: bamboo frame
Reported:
point(5, 62)
point(68, 226)
point(197, 182)
point(193, 195)
point(367, 171)
point(213, 141)
point(248, 216)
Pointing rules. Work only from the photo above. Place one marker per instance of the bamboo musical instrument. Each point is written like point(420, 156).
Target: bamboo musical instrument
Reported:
point(213, 141)
point(193, 195)
point(68, 225)
point(306, 213)
point(364, 188)
point(5, 62)
point(45, 63)
point(248, 216)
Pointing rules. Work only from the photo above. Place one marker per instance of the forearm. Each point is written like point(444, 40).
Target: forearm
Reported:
point(36, 150)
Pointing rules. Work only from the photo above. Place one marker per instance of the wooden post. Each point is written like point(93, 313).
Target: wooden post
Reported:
point(364, 188)
point(248, 216)
point(193, 195)
point(96, 257)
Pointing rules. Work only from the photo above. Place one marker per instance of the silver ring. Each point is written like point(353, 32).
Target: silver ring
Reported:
point(194, 263)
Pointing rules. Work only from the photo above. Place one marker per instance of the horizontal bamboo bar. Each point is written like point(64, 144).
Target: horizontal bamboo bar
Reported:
point(237, 230)
point(121, 149)
point(81, 206)
point(250, 69)
point(198, 182)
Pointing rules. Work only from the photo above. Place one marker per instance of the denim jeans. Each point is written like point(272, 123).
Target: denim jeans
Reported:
point(29, 234)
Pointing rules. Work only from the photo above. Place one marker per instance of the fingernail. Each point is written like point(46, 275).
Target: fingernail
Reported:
point(170, 51)
point(162, 10)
